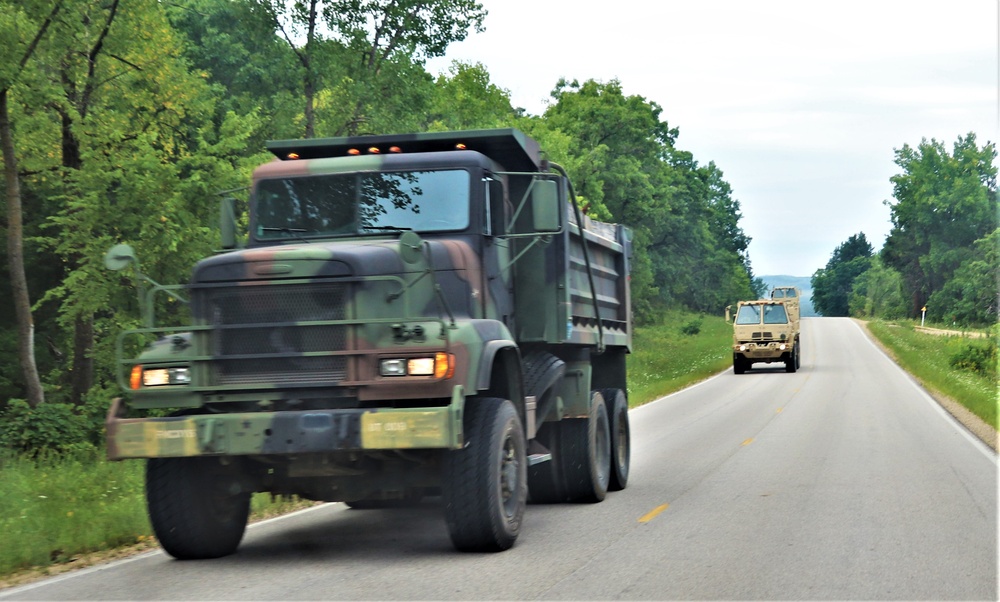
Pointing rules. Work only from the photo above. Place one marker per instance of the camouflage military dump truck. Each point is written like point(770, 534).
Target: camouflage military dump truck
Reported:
point(409, 316)
point(765, 331)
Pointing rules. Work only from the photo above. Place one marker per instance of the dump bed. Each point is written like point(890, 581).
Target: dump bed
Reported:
point(556, 305)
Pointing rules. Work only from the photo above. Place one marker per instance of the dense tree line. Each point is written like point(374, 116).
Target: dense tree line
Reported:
point(943, 251)
point(122, 120)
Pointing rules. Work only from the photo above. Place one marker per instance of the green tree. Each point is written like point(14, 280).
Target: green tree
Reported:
point(970, 297)
point(943, 204)
point(621, 156)
point(465, 98)
point(24, 25)
point(367, 75)
point(878, 293)
point(119, 136)
point(832, 285)
point(233, 44)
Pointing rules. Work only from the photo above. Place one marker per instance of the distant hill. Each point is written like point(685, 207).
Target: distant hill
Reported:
point(803, 283)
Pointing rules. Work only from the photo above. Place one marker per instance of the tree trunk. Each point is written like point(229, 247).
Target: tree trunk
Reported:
point(83, 360)
point(15, 257)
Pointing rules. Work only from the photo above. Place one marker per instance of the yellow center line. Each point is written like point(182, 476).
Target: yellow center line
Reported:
point(653, 513)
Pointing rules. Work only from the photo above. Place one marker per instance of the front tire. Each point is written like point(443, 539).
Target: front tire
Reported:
point(193, 508)
point(485, 484)
point(739, 364)
point(792, 363)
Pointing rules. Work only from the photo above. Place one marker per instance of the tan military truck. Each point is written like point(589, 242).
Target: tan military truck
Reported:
point(791, 296)
point(766, 331)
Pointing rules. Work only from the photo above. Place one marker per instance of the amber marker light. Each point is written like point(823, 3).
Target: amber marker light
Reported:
point(395, 149)
point(135, 379)
point(460, 146)
point(444, 365)
point(353, 151)
point(293, 156)
point(374, 150)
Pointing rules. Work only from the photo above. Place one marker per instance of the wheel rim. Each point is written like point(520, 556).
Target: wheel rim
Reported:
point(509, 485)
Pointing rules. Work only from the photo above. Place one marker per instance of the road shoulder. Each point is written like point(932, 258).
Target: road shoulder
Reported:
point(974, 424)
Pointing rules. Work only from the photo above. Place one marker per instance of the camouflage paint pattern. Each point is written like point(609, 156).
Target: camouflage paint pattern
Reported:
point(287, 335)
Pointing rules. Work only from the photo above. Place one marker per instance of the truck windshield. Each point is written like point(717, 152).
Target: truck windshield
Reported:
point(775, 314)
point(314, 206)
point(748, 314)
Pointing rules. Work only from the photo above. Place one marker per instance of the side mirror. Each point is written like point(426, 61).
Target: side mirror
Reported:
point(545, 207)
point(227, 222)
point(118, 257)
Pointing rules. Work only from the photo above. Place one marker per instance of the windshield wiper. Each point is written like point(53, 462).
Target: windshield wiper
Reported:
point(394, 228)
point(295, 232)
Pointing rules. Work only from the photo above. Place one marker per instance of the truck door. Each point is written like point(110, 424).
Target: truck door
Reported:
point(497, 252)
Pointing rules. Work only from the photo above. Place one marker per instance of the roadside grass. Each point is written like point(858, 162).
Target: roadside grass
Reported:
point(929, 358)
point(54, 510)
point(668, 356)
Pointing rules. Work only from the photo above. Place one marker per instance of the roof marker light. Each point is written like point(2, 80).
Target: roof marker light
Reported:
point(292, 156)
point(395, 149)
point(460, 146)
point(353, 151)
point(374, 150)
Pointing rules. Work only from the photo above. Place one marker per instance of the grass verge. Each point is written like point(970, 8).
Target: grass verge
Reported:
point(932, 359)
point(73, 511)
point(680, 350)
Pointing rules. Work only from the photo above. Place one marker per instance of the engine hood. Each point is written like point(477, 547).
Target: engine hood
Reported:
point(329, 259)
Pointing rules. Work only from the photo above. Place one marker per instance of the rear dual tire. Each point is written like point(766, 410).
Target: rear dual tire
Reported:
point(621, 438)
point(585, 453)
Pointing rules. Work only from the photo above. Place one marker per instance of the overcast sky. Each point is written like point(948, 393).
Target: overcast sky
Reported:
point(800, 104)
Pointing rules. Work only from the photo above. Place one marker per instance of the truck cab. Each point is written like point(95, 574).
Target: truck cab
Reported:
point(765, 331)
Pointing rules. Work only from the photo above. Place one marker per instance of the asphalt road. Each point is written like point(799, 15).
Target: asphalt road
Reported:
point(841, 481)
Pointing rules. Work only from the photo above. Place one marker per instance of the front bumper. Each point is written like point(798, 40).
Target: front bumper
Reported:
point(763, 351)
point(284, 433)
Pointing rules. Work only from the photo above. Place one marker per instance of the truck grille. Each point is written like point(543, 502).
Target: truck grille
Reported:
point(261, 331)
point(763, 336)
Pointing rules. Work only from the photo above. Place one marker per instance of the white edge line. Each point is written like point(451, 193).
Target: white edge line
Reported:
point(979, 444)
point(116, 563)
point(679, 391)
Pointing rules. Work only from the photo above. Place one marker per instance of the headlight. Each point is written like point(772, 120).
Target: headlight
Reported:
point(743, 347)
point(442, 365)
point(781, 347)
point(158, 377)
